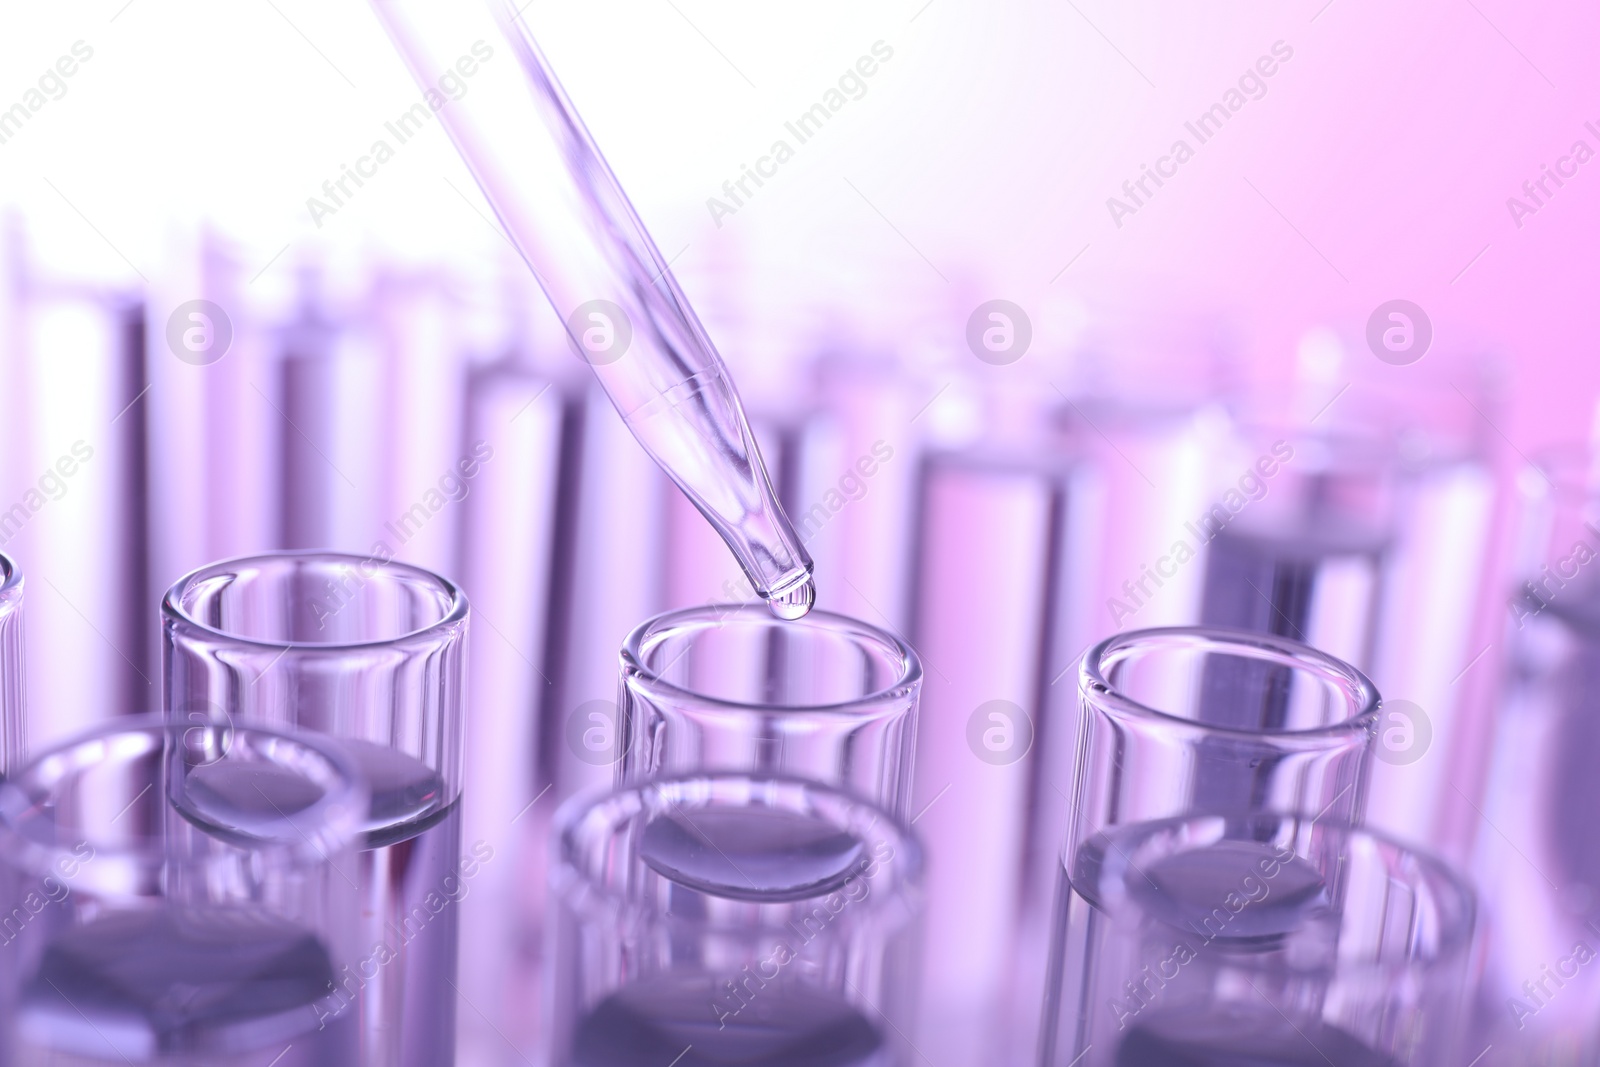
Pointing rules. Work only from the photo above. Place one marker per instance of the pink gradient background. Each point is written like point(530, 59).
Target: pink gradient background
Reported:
point(987, 147)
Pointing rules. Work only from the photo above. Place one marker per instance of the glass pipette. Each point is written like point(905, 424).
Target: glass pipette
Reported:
point(487, 81)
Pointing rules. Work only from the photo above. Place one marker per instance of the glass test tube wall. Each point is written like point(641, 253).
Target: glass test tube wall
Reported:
point(372, 653)
point(732, 918)
point(730, 687)
point(992, 531)
point(1260, 938)
point(1296, 745)
point(1538, 869)
point(164, 909)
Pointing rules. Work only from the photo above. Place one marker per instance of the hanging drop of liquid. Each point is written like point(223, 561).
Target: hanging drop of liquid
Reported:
point(796, 602)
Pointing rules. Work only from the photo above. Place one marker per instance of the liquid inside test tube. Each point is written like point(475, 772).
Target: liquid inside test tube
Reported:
point(772, 1013)
point(751, 854)
point(666, 1020)
point(164, 984)
point(708, 1020)
point(1241, 1037)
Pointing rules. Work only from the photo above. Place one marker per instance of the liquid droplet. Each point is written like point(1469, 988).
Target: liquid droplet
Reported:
point(796, 603)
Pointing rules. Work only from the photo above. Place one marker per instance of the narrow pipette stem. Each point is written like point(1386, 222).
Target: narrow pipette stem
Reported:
point(566, 215)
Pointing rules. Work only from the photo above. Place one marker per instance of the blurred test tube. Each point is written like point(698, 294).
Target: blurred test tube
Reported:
point(990, 533)
point(505, 550)
point(73, 514)
point(1537, 867)
point(212, 419)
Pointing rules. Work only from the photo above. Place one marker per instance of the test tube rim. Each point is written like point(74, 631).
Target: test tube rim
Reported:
point(868, 705)
point(1094, 687)
point(579, 889)
point(1440, 872)
point(341, 811)
point(176, 614)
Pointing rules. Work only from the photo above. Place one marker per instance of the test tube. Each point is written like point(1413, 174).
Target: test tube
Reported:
point(1262, 938)
point(993, 534)
point(181, 893)
point(1297, 545)
point(729, 918)
point(731, 688)
point(508, 523)
point(1150, 748)
point(371, 652)
point(13, 687)
point(1332, 536)
point(1537, 860)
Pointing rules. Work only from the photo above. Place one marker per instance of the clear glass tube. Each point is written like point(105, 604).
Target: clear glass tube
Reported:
point(1538, 857)
point(730, 688)
point(567, 216)
point(178, 894)
point(13, 676)
point(1184, 721)
point(1260, 938)
point(993, 529)
point(371, 652)
point(1305, 553)
point(720, 919)
point(1187, 720)
point(1365, 540)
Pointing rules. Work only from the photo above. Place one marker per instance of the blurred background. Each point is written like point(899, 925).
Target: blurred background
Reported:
point(1052, 289)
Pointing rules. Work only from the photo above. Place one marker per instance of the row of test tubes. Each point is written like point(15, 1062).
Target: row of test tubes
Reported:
point(1373, 538)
